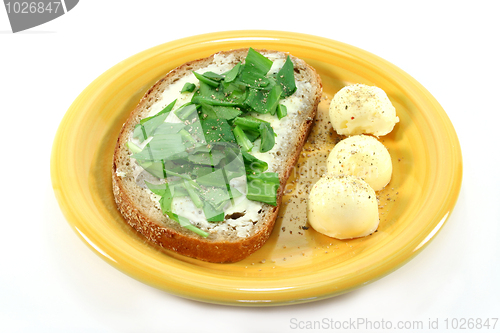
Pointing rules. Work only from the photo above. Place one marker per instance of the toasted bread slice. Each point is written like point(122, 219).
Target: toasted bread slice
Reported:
point(242, 232)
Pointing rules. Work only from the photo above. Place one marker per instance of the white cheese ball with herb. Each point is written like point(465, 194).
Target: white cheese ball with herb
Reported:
point(343, 207)
point(362, 156)
point(361, 109)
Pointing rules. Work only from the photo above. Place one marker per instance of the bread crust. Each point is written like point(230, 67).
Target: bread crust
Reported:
point(167, 233)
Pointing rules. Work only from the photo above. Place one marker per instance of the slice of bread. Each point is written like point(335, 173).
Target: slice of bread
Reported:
point(242, 232)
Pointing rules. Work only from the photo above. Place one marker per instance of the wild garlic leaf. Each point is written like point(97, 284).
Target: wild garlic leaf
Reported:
point(147, 126)
point(253, 164)
point(233, 73)
point(217, 130)
point(257, 63)
point(262, 187)
point(163, 147)
point(286, 78)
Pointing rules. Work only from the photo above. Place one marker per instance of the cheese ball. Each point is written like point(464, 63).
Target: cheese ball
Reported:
point(362, 156)
point(361, 109)
point(342, 207)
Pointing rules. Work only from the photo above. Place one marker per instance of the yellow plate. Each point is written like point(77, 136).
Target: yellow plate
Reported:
point(295, 265)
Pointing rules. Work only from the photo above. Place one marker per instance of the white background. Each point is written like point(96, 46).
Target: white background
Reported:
point(51, 282)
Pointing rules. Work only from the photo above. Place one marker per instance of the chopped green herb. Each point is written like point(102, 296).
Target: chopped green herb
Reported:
point(234, 92)
point(216, 130)
point(133, 147)
point(212, 214)
point(262, 101)
point(211, 158)
point(257, 63)
point(242, 139)
point(248, 123)
point(224, 112)
point(233, 73)
point(166, 207)
point(286, 78)
point(202, 154)
point(184, 222)
point(281, 111)
point(201, 170)
point(163, 147)
point(206, 80)
point(262, 187)
point(252, 135)
point(188, 87)
point(153, 167)
point(212, 96)
point(185, 111)
point(254, 80)
point(213, 76)
point(255, 69)
point(214, 179)
point(253, 164)
point(273, 99)
point(191, 187)
point(158, 189)
point(234, 165)
point(216, 196)
point(166, 200)
point(147, 126)
point(187, 137)
point(267, 137)
point(169, 128)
